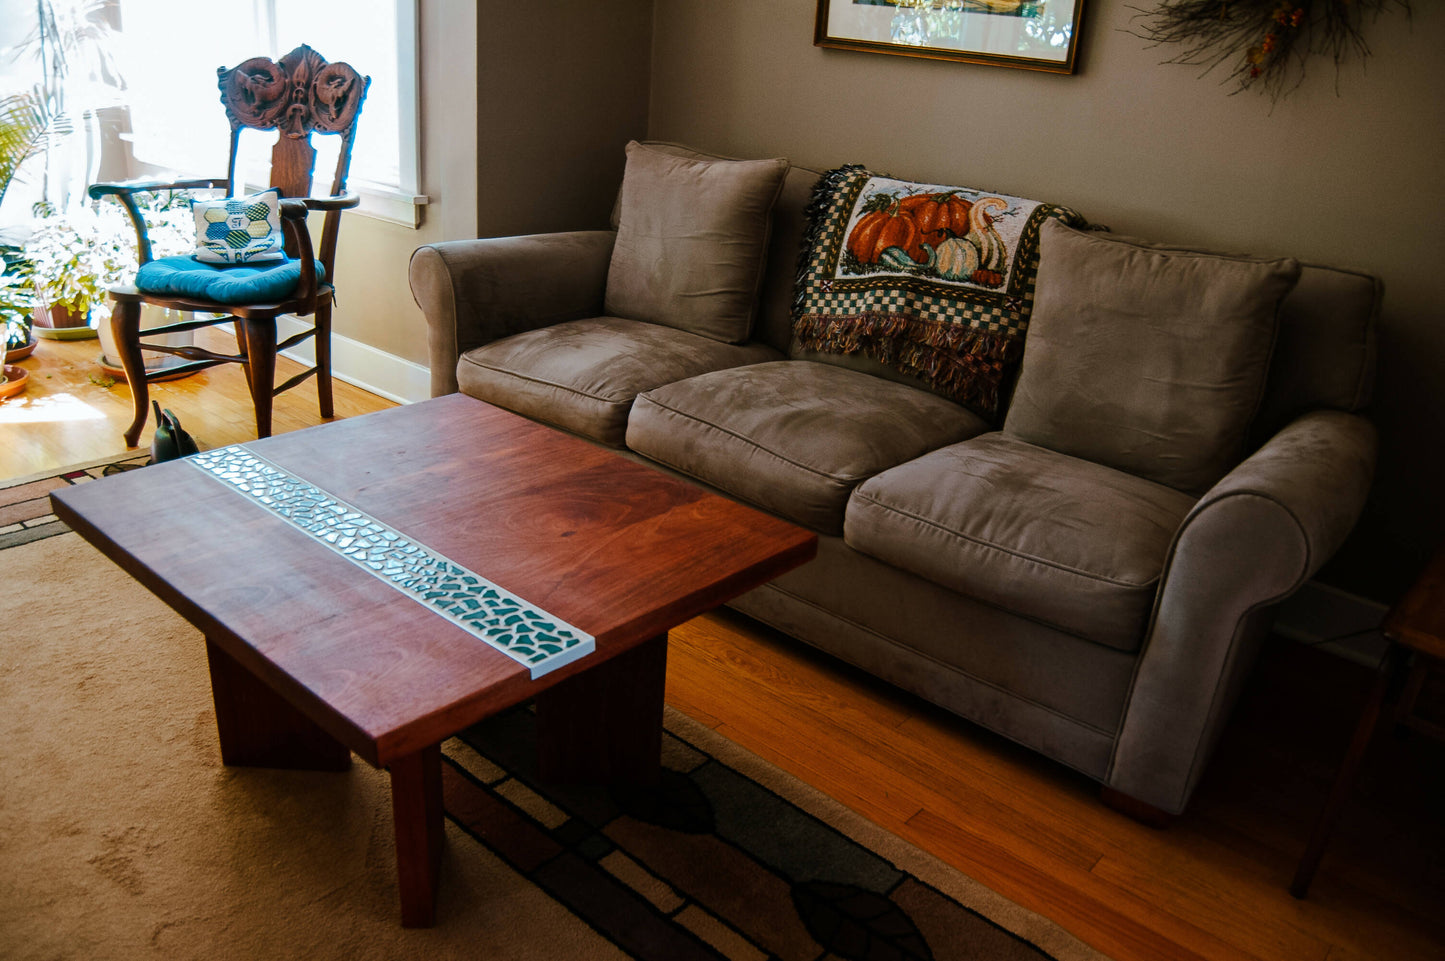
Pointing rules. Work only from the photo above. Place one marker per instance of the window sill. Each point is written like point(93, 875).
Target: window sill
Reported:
point(391, 206)
point(377, 202)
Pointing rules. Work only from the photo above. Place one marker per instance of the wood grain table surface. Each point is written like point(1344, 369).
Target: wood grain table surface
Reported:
point(312, 654)
point(618, 549)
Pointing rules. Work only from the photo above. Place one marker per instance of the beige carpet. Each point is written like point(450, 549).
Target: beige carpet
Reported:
point(122, 836)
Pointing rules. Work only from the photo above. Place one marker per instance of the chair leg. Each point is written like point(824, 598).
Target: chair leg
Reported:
point(239, 329)
point(125, 328)
point(322, 341)
point(261, 364)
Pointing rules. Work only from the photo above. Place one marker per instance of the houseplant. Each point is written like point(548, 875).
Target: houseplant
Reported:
point(17, 299)
point(16, 341)
point(74, 258)
point(23, 125)
point(170, 226)
point(52, 132)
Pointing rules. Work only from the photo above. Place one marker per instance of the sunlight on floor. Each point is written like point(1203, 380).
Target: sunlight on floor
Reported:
point(52, 408)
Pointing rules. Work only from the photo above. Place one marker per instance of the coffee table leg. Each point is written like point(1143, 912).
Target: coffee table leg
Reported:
point(416, 805)
point(605, 724)
point(260, 728)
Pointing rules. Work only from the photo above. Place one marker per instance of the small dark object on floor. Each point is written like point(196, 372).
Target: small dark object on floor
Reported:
point(170, 440)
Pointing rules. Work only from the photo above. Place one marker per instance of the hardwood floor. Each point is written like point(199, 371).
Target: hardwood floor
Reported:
point(1212, 886)
point(73, 412)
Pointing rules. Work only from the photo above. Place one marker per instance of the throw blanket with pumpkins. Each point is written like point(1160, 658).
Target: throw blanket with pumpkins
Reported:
point(931, 280)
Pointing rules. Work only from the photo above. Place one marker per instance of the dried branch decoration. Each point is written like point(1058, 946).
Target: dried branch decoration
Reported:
point(1269, 41)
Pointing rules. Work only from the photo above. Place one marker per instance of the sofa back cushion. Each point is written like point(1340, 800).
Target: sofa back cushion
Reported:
point(1324, 356)
point(774, 324)
point(1147, 359)
point(692, 240)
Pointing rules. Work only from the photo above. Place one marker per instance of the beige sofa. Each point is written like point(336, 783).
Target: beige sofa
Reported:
point(1053, 570)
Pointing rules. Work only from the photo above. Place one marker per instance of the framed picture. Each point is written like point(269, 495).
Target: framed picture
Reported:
point(1034, 34)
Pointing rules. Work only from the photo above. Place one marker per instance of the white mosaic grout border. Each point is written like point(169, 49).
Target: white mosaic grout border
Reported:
point(512, 625)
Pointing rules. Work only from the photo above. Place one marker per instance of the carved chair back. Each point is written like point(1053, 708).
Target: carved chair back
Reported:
point(300, 94)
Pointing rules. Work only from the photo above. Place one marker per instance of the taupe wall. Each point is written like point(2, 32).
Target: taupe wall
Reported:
point(525, 112)
point(563, 86)
point(1148, 149)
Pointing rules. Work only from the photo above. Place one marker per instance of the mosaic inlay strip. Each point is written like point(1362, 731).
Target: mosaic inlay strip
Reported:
point(515, 627)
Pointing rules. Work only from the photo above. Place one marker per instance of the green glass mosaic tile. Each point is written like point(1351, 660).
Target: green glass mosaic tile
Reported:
point(510, 624)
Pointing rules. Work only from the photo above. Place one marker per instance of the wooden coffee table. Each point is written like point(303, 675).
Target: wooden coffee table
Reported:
point(316, 652)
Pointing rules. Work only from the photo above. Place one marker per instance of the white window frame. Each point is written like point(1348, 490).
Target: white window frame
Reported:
point(402, 203)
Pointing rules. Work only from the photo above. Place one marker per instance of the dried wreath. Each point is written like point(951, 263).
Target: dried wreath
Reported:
point(1269, 41)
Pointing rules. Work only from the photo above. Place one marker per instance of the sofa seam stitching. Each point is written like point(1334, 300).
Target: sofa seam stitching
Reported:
point(548, 383)
point(852, 480)
point(1154, 581)
point(703, 480)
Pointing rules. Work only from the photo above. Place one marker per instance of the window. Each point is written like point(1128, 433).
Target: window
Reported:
point(169, 51)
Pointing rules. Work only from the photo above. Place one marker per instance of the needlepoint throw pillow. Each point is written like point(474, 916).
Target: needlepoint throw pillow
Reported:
point(930, 280)
point(239, 230)
point(692, 239)
point(1147, 359)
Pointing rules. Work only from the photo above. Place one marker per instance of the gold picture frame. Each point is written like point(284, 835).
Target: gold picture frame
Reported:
point(1032, 34)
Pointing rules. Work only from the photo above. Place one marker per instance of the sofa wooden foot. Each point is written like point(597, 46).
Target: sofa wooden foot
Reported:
point(1140, 811)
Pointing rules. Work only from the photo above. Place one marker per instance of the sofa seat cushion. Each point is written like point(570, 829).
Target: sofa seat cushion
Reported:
point(1051, 537)
point(792, 437)
point(582, 375)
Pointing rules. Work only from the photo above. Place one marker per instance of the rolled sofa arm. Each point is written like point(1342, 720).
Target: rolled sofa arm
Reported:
point(473, 292)
point(1251, 541)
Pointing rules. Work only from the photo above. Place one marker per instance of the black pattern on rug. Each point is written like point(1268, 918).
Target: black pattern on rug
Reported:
point(709, 864)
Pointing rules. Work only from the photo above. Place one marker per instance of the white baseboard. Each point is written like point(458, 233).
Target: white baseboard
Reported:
point(1335, 620)
point(362, 365)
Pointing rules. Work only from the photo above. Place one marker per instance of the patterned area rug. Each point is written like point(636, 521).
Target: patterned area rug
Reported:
point(727, 858)
point(124, 836)
point(25, 501)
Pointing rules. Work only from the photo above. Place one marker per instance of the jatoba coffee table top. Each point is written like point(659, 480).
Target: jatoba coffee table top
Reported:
point(618, 549)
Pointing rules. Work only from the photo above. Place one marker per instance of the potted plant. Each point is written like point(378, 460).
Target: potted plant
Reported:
point(17, 299)
point(23, 125)
point(74, 258)
point(170, 226)
point(52, 133)
point(16, 341)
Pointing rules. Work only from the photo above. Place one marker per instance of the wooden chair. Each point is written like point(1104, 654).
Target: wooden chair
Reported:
point(299, 94)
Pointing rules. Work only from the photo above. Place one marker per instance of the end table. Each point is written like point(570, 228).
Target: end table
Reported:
point(1415, 628)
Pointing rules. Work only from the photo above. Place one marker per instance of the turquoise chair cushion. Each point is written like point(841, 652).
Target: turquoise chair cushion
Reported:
point(222, 283)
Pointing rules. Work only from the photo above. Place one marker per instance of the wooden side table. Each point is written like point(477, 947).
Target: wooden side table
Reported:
point(1415, 628)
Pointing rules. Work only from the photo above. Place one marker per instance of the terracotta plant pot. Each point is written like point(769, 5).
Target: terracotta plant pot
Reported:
point(20, 353)
point(60, 317)
point(61, 323)
point(16, 380)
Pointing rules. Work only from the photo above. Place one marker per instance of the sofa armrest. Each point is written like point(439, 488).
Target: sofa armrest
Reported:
point(473, 292)
point(1251, 541)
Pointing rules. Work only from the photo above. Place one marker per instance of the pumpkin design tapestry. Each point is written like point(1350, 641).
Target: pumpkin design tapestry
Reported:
point(931, 280)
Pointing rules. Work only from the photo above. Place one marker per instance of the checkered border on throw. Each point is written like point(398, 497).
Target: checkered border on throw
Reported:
point(826, 294)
